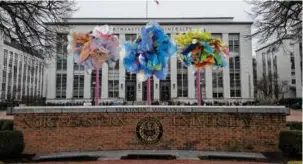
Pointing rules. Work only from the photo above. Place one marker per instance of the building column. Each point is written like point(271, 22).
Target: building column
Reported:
point(156, 89)
point(104, 91)
point(208, 83)
point(70, 77)
point(121, 72)
point(173, 73)
point(246, 68)
point(139, 90)
point(50, 83)
point(2, 62)
point(298, 75)
point(226, 79)
point(191, 82)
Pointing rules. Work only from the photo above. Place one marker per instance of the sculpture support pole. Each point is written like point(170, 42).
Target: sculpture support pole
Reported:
point(198, 88)
point(148, 91)
point(97, 88)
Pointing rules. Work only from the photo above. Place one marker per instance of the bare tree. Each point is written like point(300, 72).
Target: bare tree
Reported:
point(23, 22)
point(270, 88)
point(276, 21)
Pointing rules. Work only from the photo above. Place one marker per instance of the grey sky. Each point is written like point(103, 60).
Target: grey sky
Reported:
point(166, 8)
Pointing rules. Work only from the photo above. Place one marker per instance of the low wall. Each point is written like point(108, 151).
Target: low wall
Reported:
point(83, 128)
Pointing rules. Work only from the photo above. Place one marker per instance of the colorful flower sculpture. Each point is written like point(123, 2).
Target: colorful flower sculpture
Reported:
point(201, 50)
point(148, 54)
point(95, 48)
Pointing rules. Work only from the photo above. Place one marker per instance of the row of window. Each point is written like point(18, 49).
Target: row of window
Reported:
point(13, 76)
point(182, 77)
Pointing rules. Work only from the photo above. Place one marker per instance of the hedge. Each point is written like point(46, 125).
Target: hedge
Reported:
point(11, 143)
point(294, 125)
point(6, 125)
point(290, 142)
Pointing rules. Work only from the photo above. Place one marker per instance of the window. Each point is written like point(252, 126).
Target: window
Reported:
point(78, 88)
point(61, 63)
point(62, 44)
point(78, 67)
point(61, 51)
point(165, 85)
point(217, 78)
point(182, 81)
point(113, 81)
point(235, 66)
point(60, 86)
point(24, 76)
point(130, 37)
point(5, 57)
point(3, 90)
point(292, 60)
point(130, 86)
point(293, 81)
point(233, 42)
point(293, 73)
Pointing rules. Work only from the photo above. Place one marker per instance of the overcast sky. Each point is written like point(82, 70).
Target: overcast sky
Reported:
point(166, 8)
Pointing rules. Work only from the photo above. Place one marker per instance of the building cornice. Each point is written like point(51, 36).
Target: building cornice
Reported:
point(143, 21)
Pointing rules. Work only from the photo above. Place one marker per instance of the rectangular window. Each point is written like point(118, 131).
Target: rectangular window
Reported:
point(78, 88)
point(182, 80)
point(113, 81)
point(78, 67)
point(130, 37)
point(234, 42)
point(293, 81)
point(217, 78)
point(292, 60)
point(130, 86)
point(234, 66)
point(62, 43)
point(61, 62)
point(61, 86)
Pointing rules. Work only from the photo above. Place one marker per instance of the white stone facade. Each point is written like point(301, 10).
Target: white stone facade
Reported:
point(230, 32)
point(288, 62)
point(21, 74)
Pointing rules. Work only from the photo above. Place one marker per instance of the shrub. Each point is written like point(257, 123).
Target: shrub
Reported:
point(294, 125)
point(6, 125)
point(290, 142)
point(11, 143)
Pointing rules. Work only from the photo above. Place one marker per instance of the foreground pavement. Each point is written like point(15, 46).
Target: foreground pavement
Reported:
point(155, 162)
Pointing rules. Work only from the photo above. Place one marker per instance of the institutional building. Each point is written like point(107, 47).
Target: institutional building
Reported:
point(69, 82)
point(21, 73)
point(283, 64)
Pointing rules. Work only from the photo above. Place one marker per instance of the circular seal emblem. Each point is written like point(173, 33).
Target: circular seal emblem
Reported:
point(149, 130)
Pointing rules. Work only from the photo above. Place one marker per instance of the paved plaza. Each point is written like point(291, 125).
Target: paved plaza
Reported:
point(158, 162)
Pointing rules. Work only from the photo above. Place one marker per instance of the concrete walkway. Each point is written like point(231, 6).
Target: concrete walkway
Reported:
point(157, 162)
point(178, 154)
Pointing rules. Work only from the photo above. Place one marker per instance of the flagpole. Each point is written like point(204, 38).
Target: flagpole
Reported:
point(146, 11)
